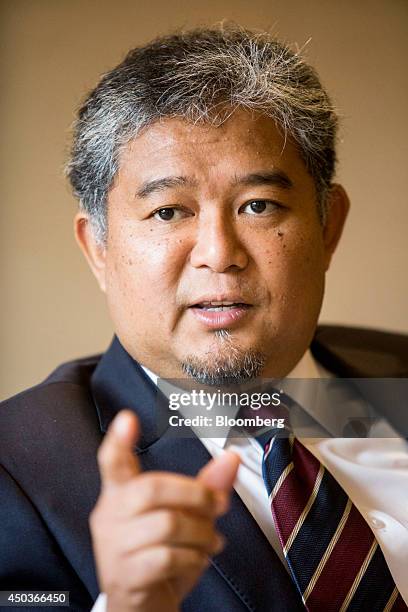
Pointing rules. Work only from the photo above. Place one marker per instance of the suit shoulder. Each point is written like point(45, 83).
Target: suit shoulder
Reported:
point(76, 372)
point(58, 404)
point(365, 352)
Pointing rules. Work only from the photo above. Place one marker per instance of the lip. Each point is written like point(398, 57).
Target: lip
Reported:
point(221, 319)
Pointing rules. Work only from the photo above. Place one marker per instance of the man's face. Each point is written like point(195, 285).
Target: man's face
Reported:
point(215, 256)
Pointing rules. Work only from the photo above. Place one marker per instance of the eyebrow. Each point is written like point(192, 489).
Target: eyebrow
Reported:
point(276, 178)
point(167, 182)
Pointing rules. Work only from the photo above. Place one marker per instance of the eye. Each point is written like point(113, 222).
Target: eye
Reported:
point(170, 213)
point(260, 207)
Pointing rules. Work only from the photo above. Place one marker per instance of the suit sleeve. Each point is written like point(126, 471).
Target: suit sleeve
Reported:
point(30, 558)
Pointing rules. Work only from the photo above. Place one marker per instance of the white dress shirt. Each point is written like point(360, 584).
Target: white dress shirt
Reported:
point(372, 471)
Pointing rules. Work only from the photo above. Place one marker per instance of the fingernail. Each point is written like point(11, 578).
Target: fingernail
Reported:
point(121, 424)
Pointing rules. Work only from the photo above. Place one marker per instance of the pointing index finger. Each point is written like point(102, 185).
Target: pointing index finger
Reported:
point(116, 460)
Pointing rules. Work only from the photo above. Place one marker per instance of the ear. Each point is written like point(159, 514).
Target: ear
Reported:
point(338, 205)
point(94, 251)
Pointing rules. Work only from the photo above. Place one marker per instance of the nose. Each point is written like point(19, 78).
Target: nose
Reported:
point(217, 245)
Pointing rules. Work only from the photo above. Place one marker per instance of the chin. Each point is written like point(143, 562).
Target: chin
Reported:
point(226, 362)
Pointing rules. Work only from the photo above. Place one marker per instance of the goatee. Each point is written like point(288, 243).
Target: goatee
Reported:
point(227, 364)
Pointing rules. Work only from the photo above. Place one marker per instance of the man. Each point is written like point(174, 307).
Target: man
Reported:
point(204, 167)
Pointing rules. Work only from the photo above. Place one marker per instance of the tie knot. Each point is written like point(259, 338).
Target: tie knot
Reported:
point(267, 422)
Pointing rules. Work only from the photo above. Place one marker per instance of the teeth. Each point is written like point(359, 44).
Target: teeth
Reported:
point(219, 308)
point(218, 303)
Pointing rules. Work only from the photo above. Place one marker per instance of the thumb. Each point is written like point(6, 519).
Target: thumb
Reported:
point(220, 473)
point(116, 460)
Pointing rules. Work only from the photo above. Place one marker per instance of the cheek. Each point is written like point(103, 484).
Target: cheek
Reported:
point(295, 268)
point(142, 270)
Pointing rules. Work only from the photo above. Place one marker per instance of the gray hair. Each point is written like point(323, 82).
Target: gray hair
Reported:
point(201, 75)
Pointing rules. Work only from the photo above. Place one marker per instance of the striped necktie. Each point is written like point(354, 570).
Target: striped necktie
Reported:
point(333, 556)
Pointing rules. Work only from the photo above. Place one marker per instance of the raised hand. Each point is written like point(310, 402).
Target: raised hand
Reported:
point(153, 532)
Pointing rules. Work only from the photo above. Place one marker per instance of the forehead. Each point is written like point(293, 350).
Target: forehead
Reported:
point(245, 125)
point(244, 142)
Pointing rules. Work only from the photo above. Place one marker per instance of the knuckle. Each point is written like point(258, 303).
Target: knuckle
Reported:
point(171, 524)
point(149, 489)
point(166, 557)
point(139, 599)
point(138, 568)
point(118, 586)
point(205, 498)
point(207, 531)
point(196, 558)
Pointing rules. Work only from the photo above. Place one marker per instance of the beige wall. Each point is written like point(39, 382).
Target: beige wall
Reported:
point(52, 52)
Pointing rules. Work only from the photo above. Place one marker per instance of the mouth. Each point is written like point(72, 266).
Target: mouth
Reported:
point(219, 306)
point(220, 313)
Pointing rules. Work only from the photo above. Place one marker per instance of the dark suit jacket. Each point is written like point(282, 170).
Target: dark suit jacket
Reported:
point(49, 479)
